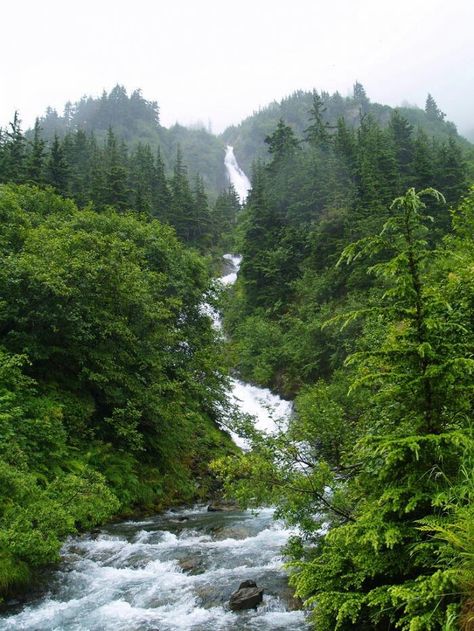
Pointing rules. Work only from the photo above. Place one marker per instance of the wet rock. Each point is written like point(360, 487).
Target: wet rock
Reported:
point(248, 596)
point(222, 506)
point(232, 532)
point(189, 565)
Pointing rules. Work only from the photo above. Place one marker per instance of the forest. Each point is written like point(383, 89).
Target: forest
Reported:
point(354, 299)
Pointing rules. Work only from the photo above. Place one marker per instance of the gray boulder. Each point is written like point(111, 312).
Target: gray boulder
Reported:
point(248, 596)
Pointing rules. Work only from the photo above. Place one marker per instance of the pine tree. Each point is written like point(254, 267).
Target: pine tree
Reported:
point(422, 167)
point(376, 568)
point(224, 215)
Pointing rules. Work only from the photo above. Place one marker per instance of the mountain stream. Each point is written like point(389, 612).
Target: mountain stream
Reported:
point(173, 571)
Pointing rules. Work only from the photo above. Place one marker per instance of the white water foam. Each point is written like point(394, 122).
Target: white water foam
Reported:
point(104, 587)
point(239, 180)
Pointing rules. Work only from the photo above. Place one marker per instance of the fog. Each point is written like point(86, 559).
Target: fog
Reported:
point(216, 61)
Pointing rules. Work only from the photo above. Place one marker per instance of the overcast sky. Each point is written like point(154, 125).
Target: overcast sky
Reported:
point(219, 60)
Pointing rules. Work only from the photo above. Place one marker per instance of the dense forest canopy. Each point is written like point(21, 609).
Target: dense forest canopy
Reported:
point(136, 121)
point(248, 136)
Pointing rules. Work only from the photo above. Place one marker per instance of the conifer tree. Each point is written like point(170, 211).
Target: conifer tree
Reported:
point(317, 134)
point(161, 194)
point(57, 168)
point(360, 97)
point(36, 156)
point(401, 133)
point(116, 191)
point(15, 152)
point(201, 234)
point(182, 206)
point(432, 110)
point(282, 143)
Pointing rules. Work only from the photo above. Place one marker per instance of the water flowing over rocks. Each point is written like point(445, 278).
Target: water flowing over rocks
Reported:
point(248, 596)
point(239, 180)
point(177, 571)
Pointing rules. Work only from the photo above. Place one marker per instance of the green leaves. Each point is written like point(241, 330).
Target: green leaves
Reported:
point(112, 381)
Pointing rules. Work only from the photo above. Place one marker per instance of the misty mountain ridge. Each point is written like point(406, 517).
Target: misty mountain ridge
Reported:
point(135, 120)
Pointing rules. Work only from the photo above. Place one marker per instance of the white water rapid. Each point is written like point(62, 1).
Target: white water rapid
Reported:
point(237, 177)
point(174, 571)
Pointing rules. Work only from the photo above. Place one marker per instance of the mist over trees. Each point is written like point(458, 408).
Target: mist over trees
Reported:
point(354, 299)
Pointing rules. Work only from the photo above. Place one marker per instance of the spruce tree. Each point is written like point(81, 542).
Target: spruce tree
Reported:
point(15, 152)
point(432, 110)
point(116, 190)
point(161, 194)
point(57, 168)
point(182, 206)
point(317, 134)
point(35, 162)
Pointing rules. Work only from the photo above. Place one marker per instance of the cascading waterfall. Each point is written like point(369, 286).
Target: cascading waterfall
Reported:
point(237, 177)
point(175, 571)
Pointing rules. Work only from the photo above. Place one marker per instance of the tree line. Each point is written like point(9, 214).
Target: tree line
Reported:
point(108, 173)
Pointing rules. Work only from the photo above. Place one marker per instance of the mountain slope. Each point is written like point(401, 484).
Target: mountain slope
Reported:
point(248, 137)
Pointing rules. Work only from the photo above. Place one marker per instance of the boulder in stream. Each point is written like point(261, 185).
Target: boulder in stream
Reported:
point(248, 596)
point(222, 506)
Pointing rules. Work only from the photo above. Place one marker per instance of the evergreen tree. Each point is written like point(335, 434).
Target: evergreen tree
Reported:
point(423, 166)
point(432, 110)
point(201, 234)
point(142, 175)
point(401, 132)
point(14, 160)
point(80, 159)
point(57, 168)
point(282, 143)
point(451, 171)
point(224, 215)
point(182, 206)
point(317, 133)
point(116, 191)
point(161, 194)
point(35, 163)
point(360, 97)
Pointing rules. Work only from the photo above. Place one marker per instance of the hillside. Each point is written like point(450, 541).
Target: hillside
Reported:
point(248, 136)
point(136, 120)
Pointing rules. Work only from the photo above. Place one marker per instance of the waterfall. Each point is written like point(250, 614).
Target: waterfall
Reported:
point(237, 177)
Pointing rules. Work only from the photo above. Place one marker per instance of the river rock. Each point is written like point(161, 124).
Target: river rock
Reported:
point(222, 506)
point(189, 565)
point(248, 596)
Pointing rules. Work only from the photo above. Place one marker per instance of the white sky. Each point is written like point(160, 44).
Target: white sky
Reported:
point(218, 60)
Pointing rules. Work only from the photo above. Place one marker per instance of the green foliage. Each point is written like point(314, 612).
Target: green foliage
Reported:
point(112, 383)
point(375, 466)
point(298, 110)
